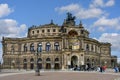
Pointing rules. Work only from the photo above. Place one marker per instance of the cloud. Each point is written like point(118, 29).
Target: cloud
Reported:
point(110, 3)
point(104, 23)
point(68, 8)
point(80, 12)
point(5, 10)
point(102, 3)
point(113, 38)
point(89, 13)
point(10, 28)
point(93, 11)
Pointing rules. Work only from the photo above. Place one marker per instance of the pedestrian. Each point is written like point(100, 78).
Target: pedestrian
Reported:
point(116, 69)
point(104, 68)
point(101, 70)
point(98, 68)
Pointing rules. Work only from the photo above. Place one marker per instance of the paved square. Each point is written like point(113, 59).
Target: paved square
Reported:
point(61, 75)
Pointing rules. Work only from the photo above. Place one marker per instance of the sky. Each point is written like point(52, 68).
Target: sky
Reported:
point(100, 17)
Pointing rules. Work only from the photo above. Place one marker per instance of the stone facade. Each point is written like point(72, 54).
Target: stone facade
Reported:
point(56, 47)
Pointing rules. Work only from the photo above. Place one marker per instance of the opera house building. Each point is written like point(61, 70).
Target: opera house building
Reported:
point(52, 46)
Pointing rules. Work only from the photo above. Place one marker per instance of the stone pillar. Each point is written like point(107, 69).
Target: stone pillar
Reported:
point(63, 62)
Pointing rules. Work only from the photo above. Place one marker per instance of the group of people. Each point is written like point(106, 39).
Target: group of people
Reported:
point(101, 68)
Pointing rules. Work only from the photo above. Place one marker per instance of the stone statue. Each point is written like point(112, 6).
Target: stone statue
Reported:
point(70, 19)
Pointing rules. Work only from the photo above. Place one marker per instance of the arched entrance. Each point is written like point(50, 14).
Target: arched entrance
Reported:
point(48, 63)
point(25, 64)
point(74, 61)
point(31, 63)
point(57, 65)
point(40, 63)
point(88, 63)
point(112, 63)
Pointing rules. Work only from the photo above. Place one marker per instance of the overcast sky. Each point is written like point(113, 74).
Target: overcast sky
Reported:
point(100, 17)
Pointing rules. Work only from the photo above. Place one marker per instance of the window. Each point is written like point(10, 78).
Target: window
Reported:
point(25, 61)
point(92, 48)
point(48, 30)
point(39, 49)
point(39, 60)
point(32, 32)
point(48, 59)
point(65, 30)
point(56, 46)
point(37, 31)
point(59, 30)
point(87, 47)
point(12, 49)
point(48, 46)
point(82, 31)
point(43, 31)
point(25, 48)
point(32, 47)
point(56, 59)
point(54, 30)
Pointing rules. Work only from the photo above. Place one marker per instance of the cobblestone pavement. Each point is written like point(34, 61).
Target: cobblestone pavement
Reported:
point(60, 75)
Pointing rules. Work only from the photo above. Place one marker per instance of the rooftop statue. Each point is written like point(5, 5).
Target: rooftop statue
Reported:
point(70, 17)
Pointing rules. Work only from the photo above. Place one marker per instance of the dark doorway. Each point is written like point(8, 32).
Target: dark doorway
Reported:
point(57, 66)
point(48, 66)
point(25, 66)
point(40, 65)
point(31, 66)
point(74, 61)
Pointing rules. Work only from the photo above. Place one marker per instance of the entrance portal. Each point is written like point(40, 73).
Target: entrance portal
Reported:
point(48, 66)
point(74, 61)
point(31, 66)
point(57, 66)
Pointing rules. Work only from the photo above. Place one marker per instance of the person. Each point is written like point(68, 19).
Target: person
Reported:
point(104, 68)
point(116, 69)
point(101, 69)
point(98, 68)
point(119, 68)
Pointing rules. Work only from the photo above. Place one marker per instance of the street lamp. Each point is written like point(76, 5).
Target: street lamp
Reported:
point(37, 71)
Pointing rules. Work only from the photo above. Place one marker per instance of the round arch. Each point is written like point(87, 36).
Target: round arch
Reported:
point(74, 61)
point(31, 63)
point(25, 64)
point(72, 33)
point(48, 63)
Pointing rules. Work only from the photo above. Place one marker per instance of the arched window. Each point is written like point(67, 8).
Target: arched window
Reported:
point(48, 59)
point(39, 60)
point(92, 48)
point(32, 60)
point(39, 49)
point(12, 49)
point(56, 46)
point(48, 45)
point(87, 47)
point(32, 47)
point(25, 61)
point(56, 59)
point(25, 48)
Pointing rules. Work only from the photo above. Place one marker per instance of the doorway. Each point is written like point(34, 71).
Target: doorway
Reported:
point(74, 61)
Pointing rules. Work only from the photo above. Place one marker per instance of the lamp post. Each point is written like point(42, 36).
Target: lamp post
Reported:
point(37, 71)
